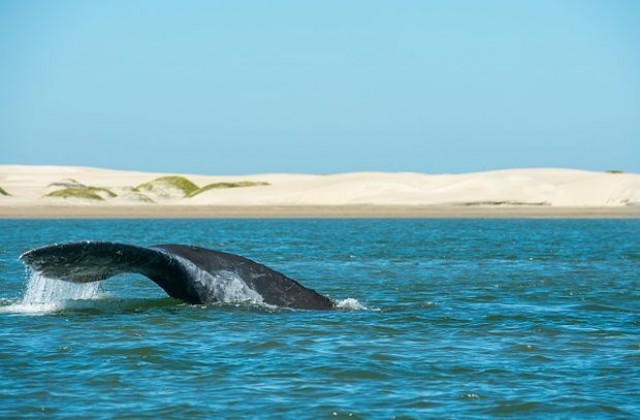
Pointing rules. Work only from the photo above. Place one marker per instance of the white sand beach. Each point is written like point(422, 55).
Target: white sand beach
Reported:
point(61, 191)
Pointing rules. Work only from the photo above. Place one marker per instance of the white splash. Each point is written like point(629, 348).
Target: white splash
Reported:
point(41, 289)
point(45, 295)
point(228, 287)
point(350, 304)
point(225, 286)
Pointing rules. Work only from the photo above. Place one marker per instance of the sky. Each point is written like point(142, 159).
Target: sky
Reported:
point(242, 87)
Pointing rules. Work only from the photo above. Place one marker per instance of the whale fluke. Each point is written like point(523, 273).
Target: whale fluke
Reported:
point(189, 273)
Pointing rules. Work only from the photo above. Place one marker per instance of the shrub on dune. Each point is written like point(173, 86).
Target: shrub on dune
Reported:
point(168, 185)
point(74, 189)
point(221, 185)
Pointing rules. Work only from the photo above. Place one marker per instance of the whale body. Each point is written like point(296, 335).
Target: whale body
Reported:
point(189, 273)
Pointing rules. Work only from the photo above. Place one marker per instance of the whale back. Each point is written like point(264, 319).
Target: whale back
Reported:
point(188, 273)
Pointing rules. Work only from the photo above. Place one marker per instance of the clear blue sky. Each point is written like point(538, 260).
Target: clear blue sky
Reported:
point(239, 87)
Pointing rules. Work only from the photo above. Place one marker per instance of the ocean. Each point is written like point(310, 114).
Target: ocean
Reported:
point(439, 318)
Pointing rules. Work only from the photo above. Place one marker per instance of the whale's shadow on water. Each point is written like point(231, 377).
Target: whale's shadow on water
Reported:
point(110, 305)
point(189, 275)
point(132, 306)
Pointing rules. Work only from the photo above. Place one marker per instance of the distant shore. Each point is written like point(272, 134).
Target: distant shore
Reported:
point(342, 211)
point(80, 192)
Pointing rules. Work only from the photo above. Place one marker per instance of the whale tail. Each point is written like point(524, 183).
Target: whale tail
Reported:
point(191, 274)
point(84, 262)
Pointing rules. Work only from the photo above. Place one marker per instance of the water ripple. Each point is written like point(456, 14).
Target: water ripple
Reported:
point(442, 319)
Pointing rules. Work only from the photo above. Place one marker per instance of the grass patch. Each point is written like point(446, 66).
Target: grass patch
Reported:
point(73, 192)
point(614, 171)
point(68, 183)
point(165, 183)
point(4, 192)
point(222, 185)
point(505, 203)
point(142, 197)
point(74, 189)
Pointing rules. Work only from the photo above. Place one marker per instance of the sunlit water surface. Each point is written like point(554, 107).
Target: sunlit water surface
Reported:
point(439, 318)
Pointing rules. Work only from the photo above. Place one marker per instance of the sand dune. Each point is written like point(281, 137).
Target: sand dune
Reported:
point(32, 187)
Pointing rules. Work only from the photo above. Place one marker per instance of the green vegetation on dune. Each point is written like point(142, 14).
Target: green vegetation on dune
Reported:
point(4, 192)
point(169, 182)
point(82, 193)
point(68, 183)
point(614, 171)
point(74, 189)
point(505, 203)
point(138, 196)
point(220, 185)
point(187, 188)
point(164, 187)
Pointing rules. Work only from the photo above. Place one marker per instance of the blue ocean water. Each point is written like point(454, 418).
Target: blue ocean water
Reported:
point(442, 319)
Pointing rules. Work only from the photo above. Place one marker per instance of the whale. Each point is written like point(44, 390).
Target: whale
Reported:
point(189, 273)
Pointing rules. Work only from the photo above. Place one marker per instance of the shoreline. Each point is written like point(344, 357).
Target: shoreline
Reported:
point(50, 192)
point(314, 212)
